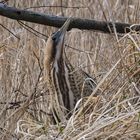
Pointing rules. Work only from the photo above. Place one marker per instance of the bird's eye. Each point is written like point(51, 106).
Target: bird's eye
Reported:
point(56, 35)
point(53, 38)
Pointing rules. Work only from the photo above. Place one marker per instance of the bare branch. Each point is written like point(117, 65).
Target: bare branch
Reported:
point(58, 21)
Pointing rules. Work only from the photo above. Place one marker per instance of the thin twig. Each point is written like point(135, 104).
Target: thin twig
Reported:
point(55, 6)
point(27, 27)
point(10, 31)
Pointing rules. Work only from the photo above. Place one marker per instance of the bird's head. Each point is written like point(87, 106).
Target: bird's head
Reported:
point(55, 44)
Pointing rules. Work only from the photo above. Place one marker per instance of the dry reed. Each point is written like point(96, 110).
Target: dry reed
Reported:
point(114, 59)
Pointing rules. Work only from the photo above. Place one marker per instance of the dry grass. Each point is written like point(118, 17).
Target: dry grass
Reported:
point(114, 114)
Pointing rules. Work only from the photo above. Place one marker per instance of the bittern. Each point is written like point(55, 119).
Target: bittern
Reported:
point(66, 85)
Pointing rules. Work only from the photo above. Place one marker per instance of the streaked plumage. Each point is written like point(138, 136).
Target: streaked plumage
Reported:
point(66, 85)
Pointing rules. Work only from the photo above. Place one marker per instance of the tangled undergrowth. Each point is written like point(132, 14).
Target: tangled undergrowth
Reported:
point(114, 114)
point(113, 59)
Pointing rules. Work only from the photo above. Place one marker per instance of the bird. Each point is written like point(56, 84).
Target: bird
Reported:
point(66, 84)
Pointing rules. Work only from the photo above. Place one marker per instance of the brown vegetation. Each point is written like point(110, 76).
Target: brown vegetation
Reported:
point(113, 59)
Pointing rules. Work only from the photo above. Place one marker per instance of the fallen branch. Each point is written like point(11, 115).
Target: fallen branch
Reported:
point(57, 21)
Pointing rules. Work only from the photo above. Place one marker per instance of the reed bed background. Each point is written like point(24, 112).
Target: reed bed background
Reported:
point(113, 59)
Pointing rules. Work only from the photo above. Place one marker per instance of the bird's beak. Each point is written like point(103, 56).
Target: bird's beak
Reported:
point(65, 27)
point(58, 39)
point(60, 34)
